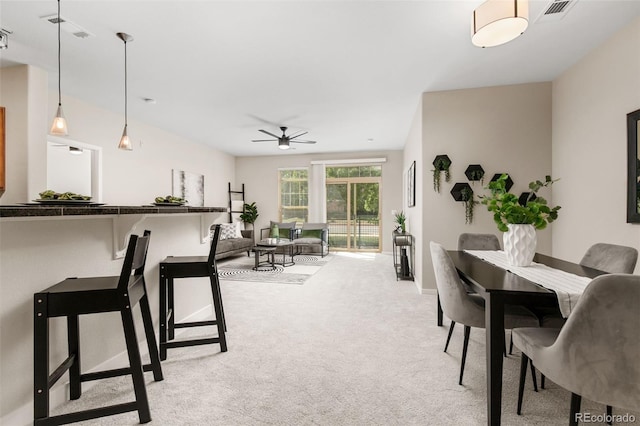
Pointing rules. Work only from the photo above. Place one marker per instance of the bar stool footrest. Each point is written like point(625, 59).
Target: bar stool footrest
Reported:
point(93, 413)
point(87, 377)
point(195, 324)
point(192, 342)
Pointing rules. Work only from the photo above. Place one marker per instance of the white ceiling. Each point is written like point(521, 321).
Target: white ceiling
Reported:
point(346, 71)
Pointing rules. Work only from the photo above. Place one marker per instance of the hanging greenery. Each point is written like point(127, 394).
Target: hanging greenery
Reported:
point(467, 198)
point(441, 163)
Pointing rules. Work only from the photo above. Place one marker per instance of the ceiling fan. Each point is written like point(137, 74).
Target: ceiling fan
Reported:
point(284, 141)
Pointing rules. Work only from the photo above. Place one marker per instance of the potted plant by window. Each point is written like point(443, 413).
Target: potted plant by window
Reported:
point(249, 214)
point(401, 220)
point(519, 222)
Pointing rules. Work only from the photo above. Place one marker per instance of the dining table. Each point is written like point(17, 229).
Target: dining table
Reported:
point(499, 287)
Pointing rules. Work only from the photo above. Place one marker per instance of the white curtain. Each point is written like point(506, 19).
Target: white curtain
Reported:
point(317, 194)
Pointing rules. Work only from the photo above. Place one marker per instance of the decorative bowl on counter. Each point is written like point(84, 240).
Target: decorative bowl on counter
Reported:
point(169, 200)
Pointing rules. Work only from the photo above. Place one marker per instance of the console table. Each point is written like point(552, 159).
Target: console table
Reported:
point(403, 255)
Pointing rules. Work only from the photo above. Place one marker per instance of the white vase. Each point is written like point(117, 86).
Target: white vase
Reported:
point(520, 244)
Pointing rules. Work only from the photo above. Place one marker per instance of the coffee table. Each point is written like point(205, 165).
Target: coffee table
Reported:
point(286, 245)
point(265, 265)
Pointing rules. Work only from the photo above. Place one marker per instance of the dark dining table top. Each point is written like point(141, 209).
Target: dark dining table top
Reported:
point(488, 277)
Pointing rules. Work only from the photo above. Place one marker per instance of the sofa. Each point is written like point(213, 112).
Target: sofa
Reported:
point(234, 246)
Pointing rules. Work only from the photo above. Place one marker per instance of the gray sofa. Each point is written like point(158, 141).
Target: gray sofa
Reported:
point(234, 246)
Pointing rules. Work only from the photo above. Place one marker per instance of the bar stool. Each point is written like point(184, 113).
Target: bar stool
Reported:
point(79, 296)
point(174, 267)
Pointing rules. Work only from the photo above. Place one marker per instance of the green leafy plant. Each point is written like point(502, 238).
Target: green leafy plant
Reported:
point(249, 213)
point(476, 175)
point(441, 164)
point(401, 220)
point(469, 203)
point(507, 210)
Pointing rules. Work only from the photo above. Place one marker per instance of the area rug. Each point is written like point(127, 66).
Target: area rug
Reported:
point(241, 269)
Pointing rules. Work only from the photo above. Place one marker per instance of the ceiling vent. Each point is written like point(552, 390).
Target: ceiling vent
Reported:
point(556, 10)
point(68, 26)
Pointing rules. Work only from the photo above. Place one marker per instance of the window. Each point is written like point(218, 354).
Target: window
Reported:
point(354, 171)
point(294, 195)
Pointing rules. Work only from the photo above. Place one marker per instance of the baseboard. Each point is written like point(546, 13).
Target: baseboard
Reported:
point(23, 416)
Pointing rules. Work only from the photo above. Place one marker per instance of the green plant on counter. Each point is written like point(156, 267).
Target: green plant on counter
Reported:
point(170, 199)
point(52, 195)
point(507, 210)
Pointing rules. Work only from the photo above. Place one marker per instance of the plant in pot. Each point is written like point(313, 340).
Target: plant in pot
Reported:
point(469, 203)
point(249, 214)
point(441, 163)
point(519, 222)
point(401, 220)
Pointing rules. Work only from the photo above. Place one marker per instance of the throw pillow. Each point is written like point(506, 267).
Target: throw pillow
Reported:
point(227, 230)
point(274, 230)
point(238, 233)
point(312, 233)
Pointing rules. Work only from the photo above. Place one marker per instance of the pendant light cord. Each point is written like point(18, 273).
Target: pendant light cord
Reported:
point(125, 83)
point(59, 75)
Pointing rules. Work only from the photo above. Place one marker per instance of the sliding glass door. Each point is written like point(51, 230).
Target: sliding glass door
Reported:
point(353, 213)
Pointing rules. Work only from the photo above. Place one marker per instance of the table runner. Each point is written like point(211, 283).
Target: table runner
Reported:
point(568, 287)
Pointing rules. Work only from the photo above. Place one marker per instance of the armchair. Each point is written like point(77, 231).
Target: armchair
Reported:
point(313, 238)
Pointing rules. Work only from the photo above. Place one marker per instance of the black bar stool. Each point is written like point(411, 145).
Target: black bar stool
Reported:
point(79, 296)
point(189, 267)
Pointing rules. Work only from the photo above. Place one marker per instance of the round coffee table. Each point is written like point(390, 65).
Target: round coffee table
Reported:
point(265, 265)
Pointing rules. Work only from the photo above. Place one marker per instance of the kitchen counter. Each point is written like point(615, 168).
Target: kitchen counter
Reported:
point(125, 219)
point(40, 210)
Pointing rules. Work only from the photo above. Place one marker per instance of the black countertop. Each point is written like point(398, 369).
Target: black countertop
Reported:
point(31, 210)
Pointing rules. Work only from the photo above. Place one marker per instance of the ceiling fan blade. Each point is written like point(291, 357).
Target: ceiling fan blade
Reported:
point(302, 141)
point(297, 135)
point(269, 133)
point(263, 140)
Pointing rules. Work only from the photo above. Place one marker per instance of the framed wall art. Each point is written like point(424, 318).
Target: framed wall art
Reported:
point(411, 185)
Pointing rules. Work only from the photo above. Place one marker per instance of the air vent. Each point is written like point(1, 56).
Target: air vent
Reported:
point(68, 26)
point(556, 10)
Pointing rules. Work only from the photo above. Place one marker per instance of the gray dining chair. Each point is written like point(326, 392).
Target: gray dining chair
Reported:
point(470, 241)
point(611, 258)
point(468, 309)
point(595, 355)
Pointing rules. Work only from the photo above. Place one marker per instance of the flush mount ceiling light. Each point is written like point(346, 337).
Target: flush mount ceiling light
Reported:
point(59, 126)
point(125, 142)
point(496, 22)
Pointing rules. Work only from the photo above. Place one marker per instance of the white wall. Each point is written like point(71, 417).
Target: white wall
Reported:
point(67, 172)
point(37, 253)
point(260, 176)
point(505, 129)
point(415, 215)
point(590, 104)
point(23, 91)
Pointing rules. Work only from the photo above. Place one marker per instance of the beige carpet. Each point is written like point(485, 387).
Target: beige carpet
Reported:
point(352, 346)
point(240, 268)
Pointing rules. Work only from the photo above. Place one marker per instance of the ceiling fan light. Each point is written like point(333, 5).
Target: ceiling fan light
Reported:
point(125, 142)
point(59, 126)
point(283, 144)
point(496, 22)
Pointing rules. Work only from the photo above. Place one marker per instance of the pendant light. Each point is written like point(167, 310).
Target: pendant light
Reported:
point(496, 22)
point(125, 142)
point(59, 126)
